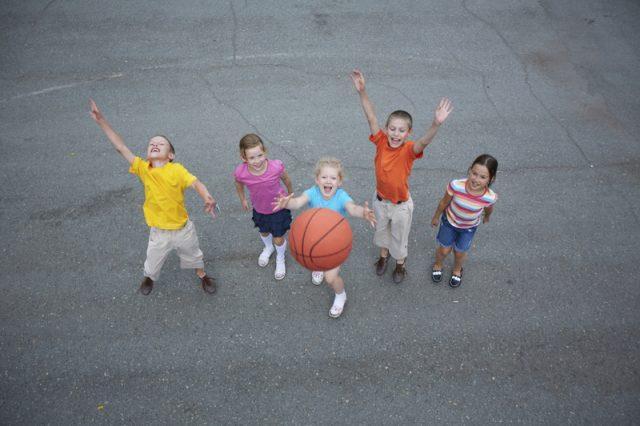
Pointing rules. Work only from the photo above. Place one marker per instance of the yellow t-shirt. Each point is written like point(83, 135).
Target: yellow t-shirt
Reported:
point(163, 193)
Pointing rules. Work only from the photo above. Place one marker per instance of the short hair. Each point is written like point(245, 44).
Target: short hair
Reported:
point(400, 114)
point(330, 162)
point(249, 141)
point(490, 163)
point(171, 148)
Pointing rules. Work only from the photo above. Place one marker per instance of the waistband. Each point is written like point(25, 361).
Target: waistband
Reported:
point(382, 199)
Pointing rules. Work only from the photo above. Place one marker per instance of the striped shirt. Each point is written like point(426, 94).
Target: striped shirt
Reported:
point(465, 209)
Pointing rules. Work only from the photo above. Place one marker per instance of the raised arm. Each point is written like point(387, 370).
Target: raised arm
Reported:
point(363, 212)
point(114, 137)
point(209, 201)
point(288, 202)
point(444, 202)
point(367, 106)
point(442, 112)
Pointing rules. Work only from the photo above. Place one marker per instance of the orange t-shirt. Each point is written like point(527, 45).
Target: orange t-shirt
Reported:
point(393, 167)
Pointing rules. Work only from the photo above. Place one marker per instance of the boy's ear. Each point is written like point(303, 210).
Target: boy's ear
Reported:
point(171, 156)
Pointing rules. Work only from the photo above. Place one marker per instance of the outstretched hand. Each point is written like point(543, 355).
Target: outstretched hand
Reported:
point(442, 110)
point(209, 204)
point(95, 113)
point(280, 202)
point(358, 80)
point(368, 214)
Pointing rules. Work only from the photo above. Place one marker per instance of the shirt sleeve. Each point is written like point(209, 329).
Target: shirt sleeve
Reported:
point(375, 139)
point(310, 195)
point(135, 166)
point(278, 166)
point(450, 189)
point(345, 198)
point(412, 153)
point(237, 173)
point(186, 178)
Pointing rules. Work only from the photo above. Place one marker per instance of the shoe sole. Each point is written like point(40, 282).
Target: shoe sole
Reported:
point(341, 312)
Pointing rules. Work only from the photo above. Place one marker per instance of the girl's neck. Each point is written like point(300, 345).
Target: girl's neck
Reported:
point(260, 172)
point(481, 191)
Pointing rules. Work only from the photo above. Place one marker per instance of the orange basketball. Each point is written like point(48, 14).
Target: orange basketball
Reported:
point(320, 239)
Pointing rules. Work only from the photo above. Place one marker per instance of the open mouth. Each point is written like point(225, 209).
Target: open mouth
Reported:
point(327, 189)
point(155, 150)
point(396, 140)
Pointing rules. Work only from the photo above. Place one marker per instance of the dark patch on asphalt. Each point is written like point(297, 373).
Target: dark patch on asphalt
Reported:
point(96, 205)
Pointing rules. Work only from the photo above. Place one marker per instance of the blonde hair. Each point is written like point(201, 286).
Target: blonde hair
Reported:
point(330, 162)
point(249, 141)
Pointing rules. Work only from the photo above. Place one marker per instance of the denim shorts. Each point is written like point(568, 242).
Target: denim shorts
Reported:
point(459, 238)
point(276, 224)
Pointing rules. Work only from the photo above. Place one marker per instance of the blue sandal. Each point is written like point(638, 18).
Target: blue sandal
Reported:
point(436, 275)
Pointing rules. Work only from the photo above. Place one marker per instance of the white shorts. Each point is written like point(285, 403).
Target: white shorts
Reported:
point(162, 241)
point(393, 226)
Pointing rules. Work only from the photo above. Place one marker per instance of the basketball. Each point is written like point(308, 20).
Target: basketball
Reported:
point(320, 239)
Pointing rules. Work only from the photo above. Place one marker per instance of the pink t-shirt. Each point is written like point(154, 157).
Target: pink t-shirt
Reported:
point(265, 188)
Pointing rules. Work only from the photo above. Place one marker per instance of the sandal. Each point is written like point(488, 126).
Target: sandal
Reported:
point(436, 275)
point(456, 280)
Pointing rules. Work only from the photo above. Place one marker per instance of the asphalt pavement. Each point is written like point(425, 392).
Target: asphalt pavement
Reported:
point(545, 327)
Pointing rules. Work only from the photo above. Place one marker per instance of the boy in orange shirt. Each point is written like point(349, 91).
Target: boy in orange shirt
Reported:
point(164, 184)
point(394, 159)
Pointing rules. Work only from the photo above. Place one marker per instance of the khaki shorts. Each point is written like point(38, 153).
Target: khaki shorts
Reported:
point(393, 226)
point(162, 241)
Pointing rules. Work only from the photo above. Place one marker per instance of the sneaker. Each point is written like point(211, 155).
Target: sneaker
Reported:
point(263, 260)
point(338, 306)
point(146, 286)
point(381, 265)
point(399, 273)
point(281, 270)
point(317, 277)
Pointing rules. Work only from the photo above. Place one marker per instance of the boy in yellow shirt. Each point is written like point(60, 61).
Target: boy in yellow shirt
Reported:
point(164, 184)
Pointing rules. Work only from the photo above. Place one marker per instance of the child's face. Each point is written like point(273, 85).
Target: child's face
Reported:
point(159, 149)
point(479, 178)
point(328, 180)
point(398, 131)
point(255, 158)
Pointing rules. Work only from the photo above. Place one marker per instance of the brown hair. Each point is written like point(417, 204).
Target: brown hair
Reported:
point(400, 114)
point(490, 163)
point(329, 162)
point(249, 141)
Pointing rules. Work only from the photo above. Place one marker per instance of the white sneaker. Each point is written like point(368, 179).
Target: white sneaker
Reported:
point(317, 277)
point(281, 270)
point(263, 260)
point(338, 306)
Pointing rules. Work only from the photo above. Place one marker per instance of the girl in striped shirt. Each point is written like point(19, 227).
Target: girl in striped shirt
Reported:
point(466, 203)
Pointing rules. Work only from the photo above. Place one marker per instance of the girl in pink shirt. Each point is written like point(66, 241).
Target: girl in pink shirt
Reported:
point(264, 179)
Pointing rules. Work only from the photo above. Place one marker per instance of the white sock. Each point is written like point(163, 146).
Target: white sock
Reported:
point(268, 240)
point(280, 250)
point(340, 298)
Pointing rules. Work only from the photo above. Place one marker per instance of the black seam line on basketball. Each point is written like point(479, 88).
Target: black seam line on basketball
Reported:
point(304, 233)
point(325, 234)
point(304, 256)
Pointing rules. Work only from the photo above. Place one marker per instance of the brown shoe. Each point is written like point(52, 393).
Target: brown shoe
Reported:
point(399, 273)
point(381, 265)
point(146, 286)
point(208, 284)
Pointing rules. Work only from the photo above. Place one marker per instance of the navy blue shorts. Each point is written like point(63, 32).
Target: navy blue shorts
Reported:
point(276, 224)
point(459, 238)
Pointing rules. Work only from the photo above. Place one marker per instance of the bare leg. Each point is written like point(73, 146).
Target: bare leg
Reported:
point(441, 255)
point(334, 280)
point(459, 262)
